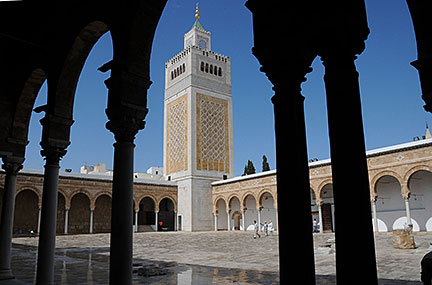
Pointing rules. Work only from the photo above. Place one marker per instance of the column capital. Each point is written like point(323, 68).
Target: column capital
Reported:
point(55, 136)
point(52, 152)
point(12, 165)
point(125, 122)
point(333, 61)
point(406, 192)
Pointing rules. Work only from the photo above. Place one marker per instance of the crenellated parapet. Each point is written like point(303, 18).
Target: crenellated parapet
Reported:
point(184, 53)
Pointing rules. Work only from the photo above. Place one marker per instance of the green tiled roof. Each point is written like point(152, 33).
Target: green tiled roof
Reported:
point(198, 25)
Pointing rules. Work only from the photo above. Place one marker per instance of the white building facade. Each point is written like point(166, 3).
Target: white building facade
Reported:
point(400, 178)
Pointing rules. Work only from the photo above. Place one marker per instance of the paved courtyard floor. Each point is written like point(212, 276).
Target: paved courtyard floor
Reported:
point(205, 258)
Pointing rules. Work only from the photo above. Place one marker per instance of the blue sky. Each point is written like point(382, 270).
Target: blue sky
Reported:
point(390, 90)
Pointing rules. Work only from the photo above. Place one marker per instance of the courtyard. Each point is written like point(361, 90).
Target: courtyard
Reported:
point(206, 258)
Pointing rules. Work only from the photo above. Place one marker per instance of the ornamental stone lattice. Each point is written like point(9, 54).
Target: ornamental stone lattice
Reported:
point(177, 135)
point(212, 129)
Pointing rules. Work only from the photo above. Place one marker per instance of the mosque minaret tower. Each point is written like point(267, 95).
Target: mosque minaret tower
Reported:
point(198, 126)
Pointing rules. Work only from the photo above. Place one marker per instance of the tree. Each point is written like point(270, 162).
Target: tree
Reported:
point(249, 168)
point(265, 164)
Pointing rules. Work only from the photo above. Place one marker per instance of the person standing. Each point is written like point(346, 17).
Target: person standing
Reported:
point(270, 227)
point(257, 226)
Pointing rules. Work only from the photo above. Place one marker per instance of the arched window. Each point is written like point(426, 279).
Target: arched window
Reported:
point(215, 70)
point(207, 67)
point(202, 66)
point(172, 75)
point(211, 68)
point(184, 67)
point(220, 71)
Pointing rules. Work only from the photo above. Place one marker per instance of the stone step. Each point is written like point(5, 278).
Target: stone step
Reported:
point(145, 228)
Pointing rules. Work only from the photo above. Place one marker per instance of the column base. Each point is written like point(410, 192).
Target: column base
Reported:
point(6, 274)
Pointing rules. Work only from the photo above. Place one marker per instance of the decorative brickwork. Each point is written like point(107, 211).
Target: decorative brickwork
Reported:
point(212, 134)
point(177, 113)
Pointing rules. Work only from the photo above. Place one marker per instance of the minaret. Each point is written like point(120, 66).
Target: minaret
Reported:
point(198, 128)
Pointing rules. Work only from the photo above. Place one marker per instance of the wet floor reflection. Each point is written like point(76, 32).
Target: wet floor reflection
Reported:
point(173, 273)
point(91, 266)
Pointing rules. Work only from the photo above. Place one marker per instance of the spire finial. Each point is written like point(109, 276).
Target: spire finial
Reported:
point(428, 134)
point(197, 15)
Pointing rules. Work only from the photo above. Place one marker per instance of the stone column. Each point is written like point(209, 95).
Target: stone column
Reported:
point(344, 113)
point(229, 219)
point(156, 221)
point(175, 221)
point(291, 145)
point(374, 213)
point(124, 127)
point(215, 222)
point(259, 218)
point(66, 221)
point(136, 220)
point(11, 167)
point(47, 236)
point(320, 218)
point(91, 221)
point(39, 218)
point(243, 218)
point(407, 209)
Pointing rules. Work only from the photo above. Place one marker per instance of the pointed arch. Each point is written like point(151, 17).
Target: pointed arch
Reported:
point(102, 213)
point(262, 193)
point(321, 186)
point(215, 203)
point(229, 200)
point(380, 175)
point(173, 200)
point(25, 105)
point(411, 171)
point(244, 197)
point(73, 64)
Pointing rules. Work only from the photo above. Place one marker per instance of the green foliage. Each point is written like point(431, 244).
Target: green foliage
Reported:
point(249, 168)
point(265, 164)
